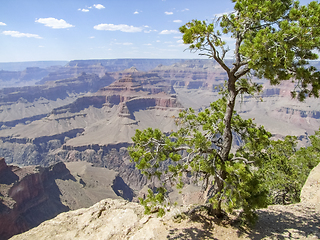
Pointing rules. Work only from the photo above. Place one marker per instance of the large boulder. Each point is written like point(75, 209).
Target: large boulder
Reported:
point(311, 189)
point(108, 219)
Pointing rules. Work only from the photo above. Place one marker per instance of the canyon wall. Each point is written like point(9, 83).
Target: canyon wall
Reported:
point(30, 195)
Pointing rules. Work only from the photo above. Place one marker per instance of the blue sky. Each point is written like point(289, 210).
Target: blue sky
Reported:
point(38, 30)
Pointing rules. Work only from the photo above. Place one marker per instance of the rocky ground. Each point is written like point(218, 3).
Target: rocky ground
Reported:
point(120, 219)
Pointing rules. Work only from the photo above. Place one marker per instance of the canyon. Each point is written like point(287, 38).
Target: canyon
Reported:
point(86, 111)
point(33, 194)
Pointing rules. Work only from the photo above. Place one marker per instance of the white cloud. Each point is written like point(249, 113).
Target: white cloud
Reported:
point(98, 6)
point(41, 46)
point(2, 24)
point(136, 12)
point(177, 21)
point(186, 9)
point(54, 23)
point(120, 27)
point(169, 31)
point(92, 37)
point(148, 44)
point(125, 43)
point(19, 34)
point(83, 10)
point(149, 31)
point(168, 13)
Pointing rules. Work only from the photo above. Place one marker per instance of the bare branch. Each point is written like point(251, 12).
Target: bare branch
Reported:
point(242, 72)
point(216, 56)
point(242, 159)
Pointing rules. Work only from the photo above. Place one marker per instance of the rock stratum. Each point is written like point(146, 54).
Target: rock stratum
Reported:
point(120, 219)
point(69, 116)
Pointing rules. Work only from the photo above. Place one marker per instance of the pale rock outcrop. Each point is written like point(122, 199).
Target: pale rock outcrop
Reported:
point(108, 219)
point(311, 190)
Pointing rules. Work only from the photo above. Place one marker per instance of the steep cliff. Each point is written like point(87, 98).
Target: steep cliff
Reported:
point(120, 103)
point(75, 71)
point(193, 74)
point(31, 195)
point(26, 104)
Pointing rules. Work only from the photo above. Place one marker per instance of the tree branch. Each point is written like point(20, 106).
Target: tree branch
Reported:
point(242, 159)
point(242, 72)
point(216, 56)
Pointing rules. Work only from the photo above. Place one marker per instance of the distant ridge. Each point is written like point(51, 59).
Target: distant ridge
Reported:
point(114, 65)
point(20, 66)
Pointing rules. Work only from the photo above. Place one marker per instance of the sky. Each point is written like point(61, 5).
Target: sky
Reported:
point(43, 30)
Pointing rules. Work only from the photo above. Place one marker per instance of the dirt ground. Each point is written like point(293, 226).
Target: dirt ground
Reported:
point(296, 221)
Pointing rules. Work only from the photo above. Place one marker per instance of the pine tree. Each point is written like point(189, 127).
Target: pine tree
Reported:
point(274, 40)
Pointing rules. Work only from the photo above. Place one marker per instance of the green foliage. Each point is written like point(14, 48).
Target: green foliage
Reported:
point(195, 149)
point(307, 158)
point(286, 169)
point(154, 202)
point(282, 176)
point(274, 40)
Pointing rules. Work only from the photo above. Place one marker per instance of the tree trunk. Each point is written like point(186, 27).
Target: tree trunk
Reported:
point(227, 142)
point(227, 132)
point(217, 211)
